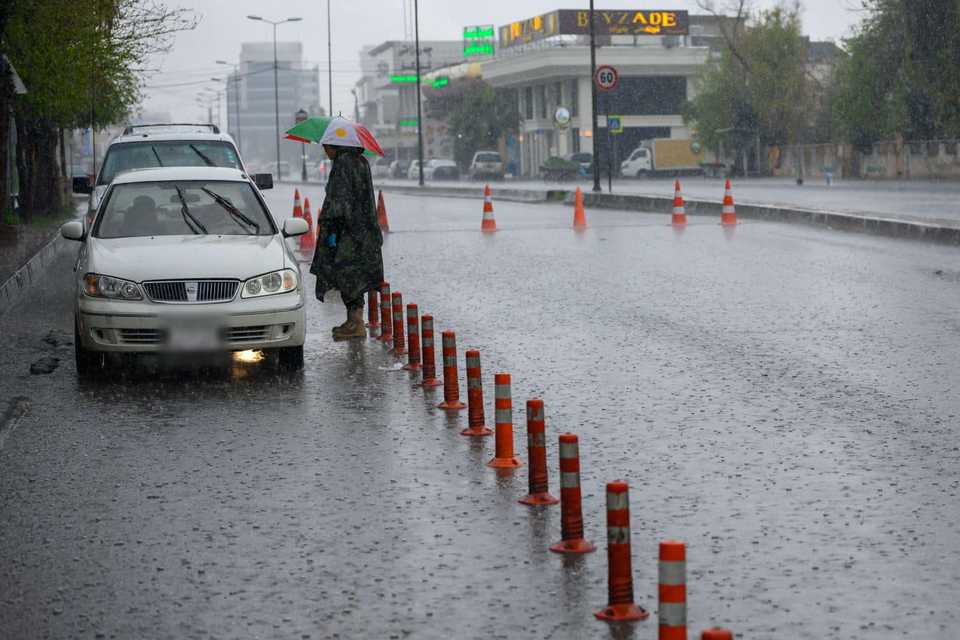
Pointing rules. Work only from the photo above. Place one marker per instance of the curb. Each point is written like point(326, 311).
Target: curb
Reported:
point(875, 225)
point(13, 288)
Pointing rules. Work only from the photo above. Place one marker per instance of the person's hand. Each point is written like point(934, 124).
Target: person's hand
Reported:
point(332, 240)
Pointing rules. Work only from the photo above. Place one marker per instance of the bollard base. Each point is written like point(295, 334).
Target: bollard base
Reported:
point(477, 431)
point(622, 613)
point(579, 545)
point(504, 463)
point(537, 499)
point(431, 382)
point(398, 352)
point(385, 338)
point(452, 406)
point(413, 367)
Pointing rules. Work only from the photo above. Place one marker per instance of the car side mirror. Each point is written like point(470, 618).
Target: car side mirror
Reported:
point(72, 230)
point(263, 181)
point(292, 227)
point(81, 184)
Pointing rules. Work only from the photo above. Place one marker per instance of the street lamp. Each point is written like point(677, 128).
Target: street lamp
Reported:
point(301, 116)
point(224, 91)
point(593, 106)
point(236, 98)
point(276, 87)
point(416, 36)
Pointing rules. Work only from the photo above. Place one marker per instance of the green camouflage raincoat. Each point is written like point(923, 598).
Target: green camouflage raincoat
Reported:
point(355, 265)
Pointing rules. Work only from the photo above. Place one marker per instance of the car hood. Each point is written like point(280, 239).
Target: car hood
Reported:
point(175, 257)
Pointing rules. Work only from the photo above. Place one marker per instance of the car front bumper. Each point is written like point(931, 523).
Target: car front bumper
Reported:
point(269, 322)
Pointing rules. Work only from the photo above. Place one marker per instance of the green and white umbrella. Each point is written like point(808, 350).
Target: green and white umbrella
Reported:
point(336, 131)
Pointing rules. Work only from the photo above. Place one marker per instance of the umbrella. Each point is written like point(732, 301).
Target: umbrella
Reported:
point(336, 131)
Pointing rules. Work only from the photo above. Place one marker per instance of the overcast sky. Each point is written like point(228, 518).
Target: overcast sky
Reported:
point(186, 70)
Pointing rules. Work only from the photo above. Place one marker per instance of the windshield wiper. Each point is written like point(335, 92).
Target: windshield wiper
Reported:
point(156, 155)
point(231, 209)
point(192, 222)
point(203, 156)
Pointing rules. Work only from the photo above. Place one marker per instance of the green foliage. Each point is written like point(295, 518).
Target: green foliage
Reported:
point(902, 74)
point(479, 119)
point(757, 85)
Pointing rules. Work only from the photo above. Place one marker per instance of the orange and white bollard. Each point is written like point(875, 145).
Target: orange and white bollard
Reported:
point(475, 417)
point(537, 455)
point(679, 211)
point(428, 348)
point(503, 417)
point(399, 344)
point(308, 241)
point(489, 223)
point(571, 510)
point(297, 209)
point(386, 321)
point(413, 338)
point(672, 610)
point(728, 214)
point(579, 215)
point(373, 311)
point(382, 214)
point(716, 633)
point(451, 385)
point(621, 606)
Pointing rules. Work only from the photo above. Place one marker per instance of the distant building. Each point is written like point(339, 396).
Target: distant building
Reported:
point(250, 100)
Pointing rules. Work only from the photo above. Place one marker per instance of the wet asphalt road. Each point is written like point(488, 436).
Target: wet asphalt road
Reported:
point(782, 398)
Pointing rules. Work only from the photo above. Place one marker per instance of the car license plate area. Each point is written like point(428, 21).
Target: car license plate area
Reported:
point(193, 334)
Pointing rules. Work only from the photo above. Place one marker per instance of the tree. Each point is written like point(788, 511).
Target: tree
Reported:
point(479, 119)
point(80, 63)
point(757, 86)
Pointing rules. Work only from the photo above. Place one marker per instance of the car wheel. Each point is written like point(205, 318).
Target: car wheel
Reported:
point(642, 173)
point(89, 363)
point(290, 358)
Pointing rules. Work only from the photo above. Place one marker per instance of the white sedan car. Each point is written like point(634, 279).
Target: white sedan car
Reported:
point(186, 259)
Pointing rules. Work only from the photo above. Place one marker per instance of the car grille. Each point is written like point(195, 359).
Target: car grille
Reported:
point(246, 334)
point(141, 336)
point(178, 291)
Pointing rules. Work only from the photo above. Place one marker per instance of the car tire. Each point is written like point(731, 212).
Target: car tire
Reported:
point(89, 363)
point(290, 358)
point(642, 174)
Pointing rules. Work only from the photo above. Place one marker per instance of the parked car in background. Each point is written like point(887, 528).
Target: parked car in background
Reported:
point(380, 168)
point(441, 169)
point(186, 259)
point(584, 159)
point(486, 165)
point(413, 173)
point(398, 168)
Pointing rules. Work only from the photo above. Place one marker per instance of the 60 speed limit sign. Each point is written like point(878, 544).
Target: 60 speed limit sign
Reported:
point(606, 78)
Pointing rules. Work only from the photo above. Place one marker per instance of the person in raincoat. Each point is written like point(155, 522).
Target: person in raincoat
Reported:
point(348, 256)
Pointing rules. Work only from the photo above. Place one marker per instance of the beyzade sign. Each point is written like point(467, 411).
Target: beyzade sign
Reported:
point(613, 22)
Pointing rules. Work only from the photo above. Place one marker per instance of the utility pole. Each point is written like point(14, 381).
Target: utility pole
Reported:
point(276, 83)
point(593, 99)
point(416, 35)
point(236, 99)
point(329, 60)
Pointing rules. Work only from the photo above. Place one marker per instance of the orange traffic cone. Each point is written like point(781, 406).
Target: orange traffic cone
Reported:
point(308, 241)
point(489, 224)
point(382, 214)
point(579, 217)
point(729, 214)
point(679, 211)
point(297, 211)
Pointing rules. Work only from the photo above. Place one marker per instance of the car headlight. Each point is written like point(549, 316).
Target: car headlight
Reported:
point(270, 283)
point(99, 286)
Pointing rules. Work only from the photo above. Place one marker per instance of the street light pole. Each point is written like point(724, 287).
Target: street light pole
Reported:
point(329, 60)
point(236, 98)
point(416, 35)
point(593, 99)
point(276, 83)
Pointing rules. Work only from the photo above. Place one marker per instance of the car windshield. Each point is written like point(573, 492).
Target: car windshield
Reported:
point(488, 157)
point(177, 153)
point(178, 208)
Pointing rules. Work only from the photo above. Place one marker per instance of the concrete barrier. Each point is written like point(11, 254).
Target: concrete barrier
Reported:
point(13, 288)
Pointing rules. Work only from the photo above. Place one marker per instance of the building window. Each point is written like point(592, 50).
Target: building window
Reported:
point(574, 103)
point(528, 103)
point(575, 132)
point(542, 96)
point(647, 96)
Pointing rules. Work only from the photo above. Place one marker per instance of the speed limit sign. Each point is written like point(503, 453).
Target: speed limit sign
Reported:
point(606, 78)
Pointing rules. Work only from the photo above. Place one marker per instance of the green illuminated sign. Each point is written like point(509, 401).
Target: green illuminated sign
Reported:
point(405, 79)
point(408, 123)
point(485, 49)
point(478, 33)
point(441, 82)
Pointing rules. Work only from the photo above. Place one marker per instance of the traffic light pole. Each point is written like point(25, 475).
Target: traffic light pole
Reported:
point(416, 35)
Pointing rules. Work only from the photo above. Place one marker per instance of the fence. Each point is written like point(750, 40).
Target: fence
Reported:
point(926, 159)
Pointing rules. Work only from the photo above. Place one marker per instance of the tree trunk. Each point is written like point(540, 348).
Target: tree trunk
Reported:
point(37, 164)
point(6, 104)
